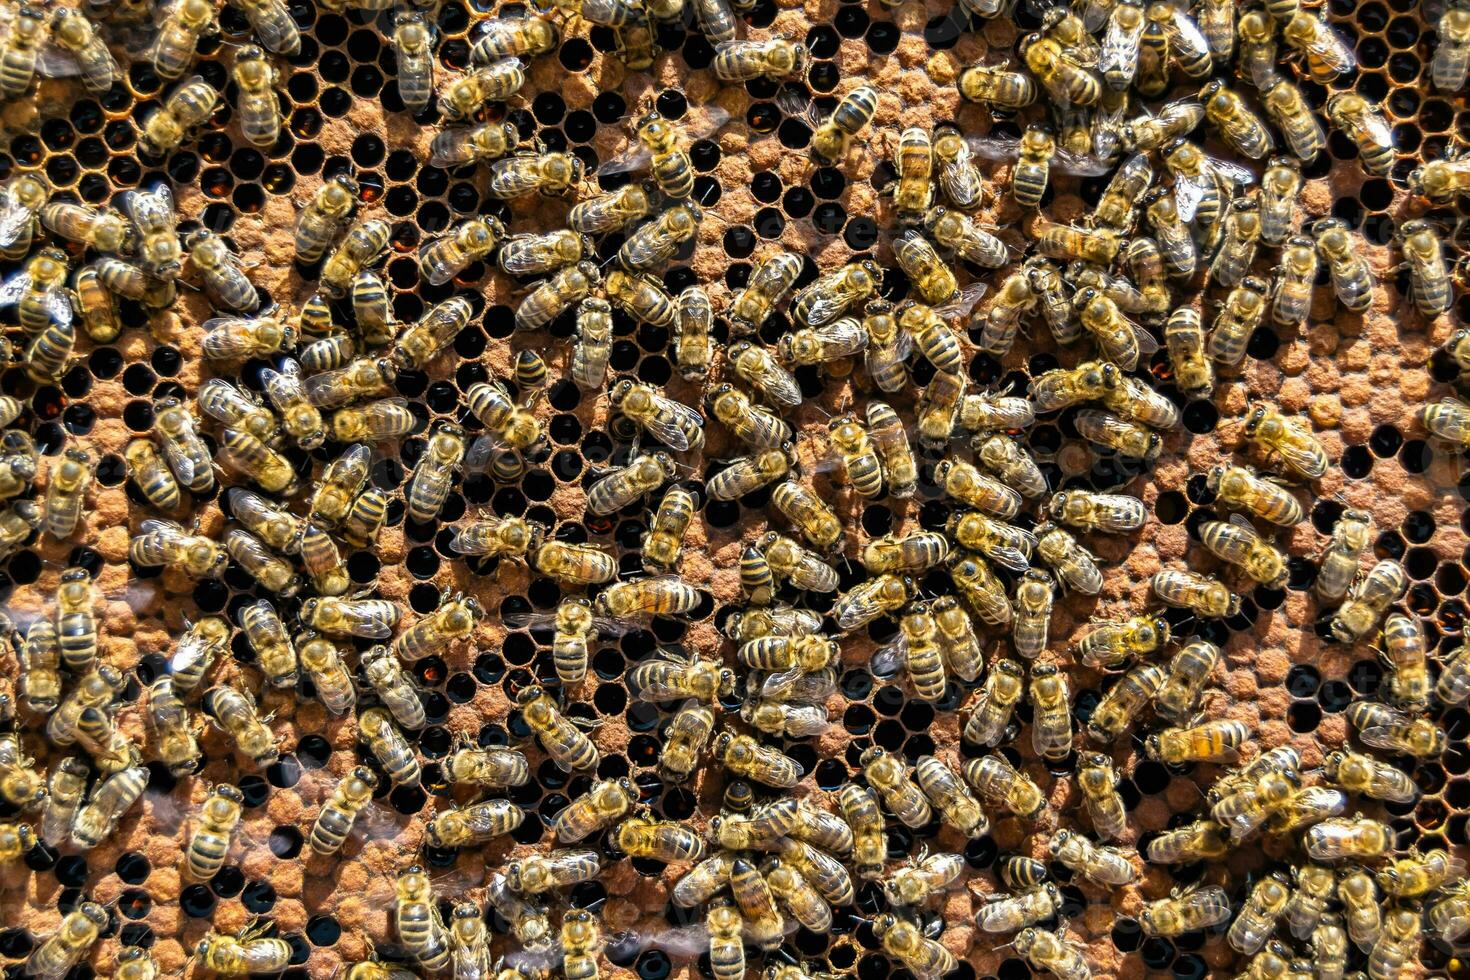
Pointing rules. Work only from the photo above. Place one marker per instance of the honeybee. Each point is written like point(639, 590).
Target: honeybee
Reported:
point(1301, 453)
point(434, 473)
point(1209, 741)
point(1338, 838)
point(416, 918)
point(364, 243)
point(186, 109)
point(473, 825)
point(259, 105)
point(747, 758)
point(488, 767)
point(1111, 643)
point(183, 23)
point(1404, 650)
point(1050, 952)
point(1065, 81)
point(620, 487)
point(1352, 279)
point(509, 425)
point(1257, 918)
point(769, 283)
point(558, 869)
point(606, 801)
point(1118, 56)
point(563, 742)
point(1363, 123)
point(300, 418)
point(830, 138)
point(818, 345)
point(395, 689)
point(111, 798)
point(580, 943)
point(1398, 944)
point(321, 661)
point(494, 81)
point(67, 485)
point(456, 618)
point(1063, 387)
point(247, 455)
point(868, 600)
point(1428, 274)
point(413, 44)
point(1385, 728)
point(921, 956)
point(1241, 313)
point(810, 514)
point(233, 712)
point(548, 174)
point(726, 949)
point(1102, 865)
point(165, 543)
point(834, 293)
point(790, 561)
point(996, 87)
point(547, 301)
point(378, 421)
point(1187, 672)
point(1193, 908)
point(44, 308)
point(340, 482)
point(104, 229)
point(673, 423)
point(460, 145)
point(764, 373)
point(219, 818)
point(1088, 511)
point(1449, 917)
point(324, 217)
point(1368, 600)
point(956, 805)
point(657, 840)
point(685, 740)
point(1000, 323)
point(513, 36)
point(752, 424)
point(1051, 728)
point(1241, 128)
point(593, 347)
point(1000, 784)
point(73, 940)
point(1296, 277)
point(1198, 841)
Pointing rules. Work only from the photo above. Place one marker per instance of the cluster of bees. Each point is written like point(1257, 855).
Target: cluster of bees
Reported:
point(1126, 286)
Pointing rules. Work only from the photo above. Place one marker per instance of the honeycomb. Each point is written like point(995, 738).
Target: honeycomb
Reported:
point(1357, 379)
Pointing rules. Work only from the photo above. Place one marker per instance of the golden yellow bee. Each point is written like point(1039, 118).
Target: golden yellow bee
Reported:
point(1197, 907)
point(473, 825)
point(1368, 600)
point(1209, 741)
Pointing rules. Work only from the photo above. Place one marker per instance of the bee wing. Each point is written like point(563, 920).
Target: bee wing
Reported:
point(1302, 459)
point(13, 220)
point(1235, 173)
point(780, 682)
point(1010, 558)
point(806, 721)
point(1068, 162)
point(1105, 128)
point(665, 424)
point(794, 103)
point(15, 286)
point(890, 658)
point(960, 306)
point(995, 147)
point(780, 385)
point(1188, 193)
point(1119, 49)
point(1188, 29)
point(531, 621)
point(1375, 127)
point(1331, 49)
point(635, 157)
point(1147, 345)
point(477, 457)
point(178, 461)
point(55, 62)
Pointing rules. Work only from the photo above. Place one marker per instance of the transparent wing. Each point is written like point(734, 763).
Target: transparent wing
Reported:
point(961, 305)
point(1233, 172)
point(995, 147)
point(13, 220)
point(780, 385)
point(54, 62)
point(888, 660)
point(1147, 345)
point(668, 424)
point(1068, 162)
point(1187, 195)
point(635, 157)
point(178, 460)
